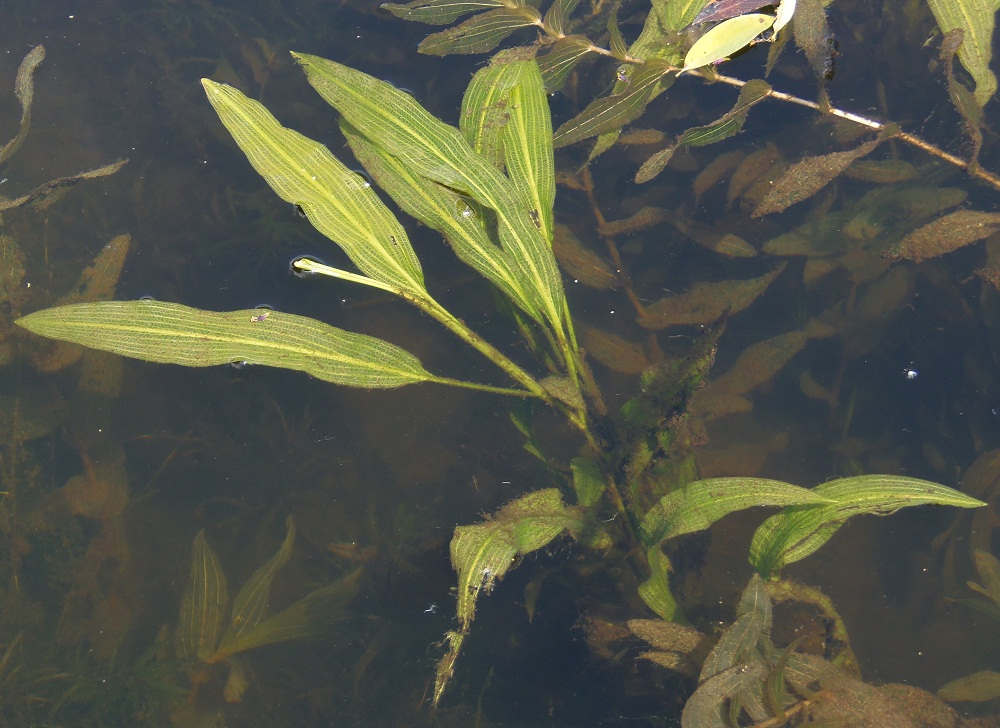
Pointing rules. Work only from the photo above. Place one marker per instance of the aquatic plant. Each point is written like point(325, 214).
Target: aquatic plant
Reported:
point(489, 187)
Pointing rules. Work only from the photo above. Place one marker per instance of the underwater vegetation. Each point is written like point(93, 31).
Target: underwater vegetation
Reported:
point(630, 478)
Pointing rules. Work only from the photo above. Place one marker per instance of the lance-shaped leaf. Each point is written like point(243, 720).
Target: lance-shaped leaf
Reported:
point(396, 122)
point(612, 112)
point(338, 202)
point(677, 14)
point(655, 591)
point(698, 505)
point(947, 233)
point(455, 216)
point(724, 127)
point(798, 531)
point(562, 58)
point(480, 33)
point(740, 640)
point(24, 90)
point(439, 12)
point(314, 616)
point(976, 18)
point(484, 552)
point(171, 333)
point(251, 602)
point(726, 38)
point(203, 605)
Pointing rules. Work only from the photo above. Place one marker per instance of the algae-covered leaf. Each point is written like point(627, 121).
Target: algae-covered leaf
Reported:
point(170, 333)
point(812, 36)
point(739, 642)
point(338, 202)
point(480, 33)
point(394, 121)
point(805, 178)
point(798, 531)
point(482, 553)
point(251, 602)
point(43, 195)
point(976, 18)
point(698, 505)
point(612, 112)
point(582, 264)
point(24, 90)
point(675, 646)
point(613, 351)
point(726, 38)
point(978, 687)
point(951, 232)
point(706, 302)
point(704, 709)
point(588, 481)
point(203, 605)
point(314, 616)
point(439, 12)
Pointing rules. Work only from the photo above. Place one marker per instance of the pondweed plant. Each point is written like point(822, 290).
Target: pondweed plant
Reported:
point(488, 186)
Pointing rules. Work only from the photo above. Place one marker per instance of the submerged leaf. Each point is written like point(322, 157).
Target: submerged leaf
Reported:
point(41, 196)
point(613, 351)
point(582, 264)
point(805, 178)
point(562, 58)
point(655, 591)
point(706, 302)
point(976, 18)
point(170, 333)
point(978, 687)
point(203, 605)
point(698, 505)
point(948, 233)
point(798, 531)
point(24, 90)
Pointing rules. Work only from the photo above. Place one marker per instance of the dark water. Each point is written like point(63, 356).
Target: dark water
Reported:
point(378, 480)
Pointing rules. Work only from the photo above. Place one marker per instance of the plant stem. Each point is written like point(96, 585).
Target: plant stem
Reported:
point(523, 393)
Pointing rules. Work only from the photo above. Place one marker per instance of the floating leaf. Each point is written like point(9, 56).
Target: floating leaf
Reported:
point(698, 505)
point(784, 14)
point(677, 14)
point(481, 33)
point(338, 202)
point(805, 178)
point(203, 605)
point(170, 333)
point(439, 12)
point(706, 302)
point(976, 19)
point(797, 532)
point(725, 39)
point(24, 90)
point(946, 234)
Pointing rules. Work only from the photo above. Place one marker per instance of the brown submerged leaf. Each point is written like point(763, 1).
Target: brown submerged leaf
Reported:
point(613, 351)
point(644, 218)
point(752, 167)
point(582, 264)
point(715, 171)
point(805, 178)
point(706, 302)
point(948, 233)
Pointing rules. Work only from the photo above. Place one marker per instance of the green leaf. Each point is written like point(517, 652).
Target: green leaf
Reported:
point(588, 481)
point(740, 640)
point(338, 202)
point(314, 616)
point(726, 38)
point(655, 591)
point(976, 18)
point(612, 112)
point(396, 122)
point(438, 12)
point(170, 333)
point(797, 532)
point(458, 218)
point(979, 687)
point(724, 127)
point(698, 505)
point(480, 33)
point(558, 15)
point(203, 604)
point(561, 59)
point(251, 601)
point(617, 44)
